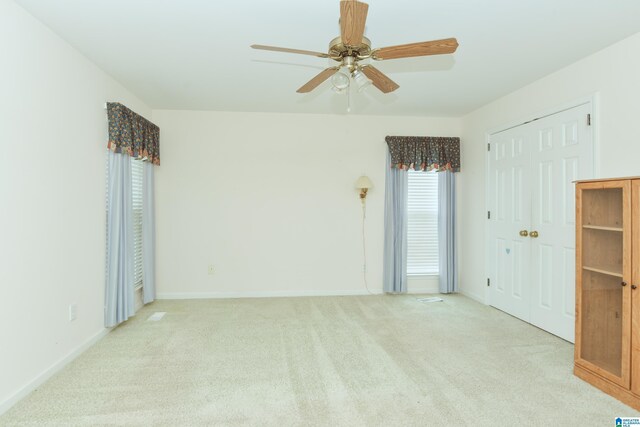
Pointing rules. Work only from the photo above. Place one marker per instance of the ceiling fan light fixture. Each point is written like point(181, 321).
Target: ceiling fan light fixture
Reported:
point(340, 82)
point(361, 80)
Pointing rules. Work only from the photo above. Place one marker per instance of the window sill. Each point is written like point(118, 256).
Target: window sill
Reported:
point(424, 275)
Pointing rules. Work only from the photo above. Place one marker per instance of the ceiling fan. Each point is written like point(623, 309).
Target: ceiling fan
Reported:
point(352, 47)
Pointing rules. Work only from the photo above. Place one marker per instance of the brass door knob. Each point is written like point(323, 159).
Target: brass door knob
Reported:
point(533, 234)
point(524, 233)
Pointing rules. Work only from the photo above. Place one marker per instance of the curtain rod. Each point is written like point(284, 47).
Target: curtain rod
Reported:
point(420, 137)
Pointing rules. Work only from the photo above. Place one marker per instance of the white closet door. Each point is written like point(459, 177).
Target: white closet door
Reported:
point(510, 210)
point(562, 152)
point(531, 172)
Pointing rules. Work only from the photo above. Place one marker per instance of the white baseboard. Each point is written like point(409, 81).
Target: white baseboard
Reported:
point(473, 297)
point(52, 370)
point(425, 284)
point(427, 290)
point(263, 294)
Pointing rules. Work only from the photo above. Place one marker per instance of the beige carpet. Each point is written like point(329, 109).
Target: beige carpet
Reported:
point(326, 361)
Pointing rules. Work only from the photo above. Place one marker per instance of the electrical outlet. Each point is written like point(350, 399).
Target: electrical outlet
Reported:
point(73, 312)
point(211, 269)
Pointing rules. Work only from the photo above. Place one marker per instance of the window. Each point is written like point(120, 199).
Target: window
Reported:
point(422, 227)
point(136, 191)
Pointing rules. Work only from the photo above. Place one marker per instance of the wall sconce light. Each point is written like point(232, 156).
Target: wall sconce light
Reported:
point(363, 184)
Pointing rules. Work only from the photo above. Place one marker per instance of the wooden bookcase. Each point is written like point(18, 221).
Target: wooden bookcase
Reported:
point(607, 350)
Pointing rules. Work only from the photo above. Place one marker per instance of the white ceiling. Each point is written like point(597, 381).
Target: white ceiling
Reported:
point(194, 54)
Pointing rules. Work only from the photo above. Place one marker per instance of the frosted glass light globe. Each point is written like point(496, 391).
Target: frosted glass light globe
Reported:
point(361, 80)
point(340, 81)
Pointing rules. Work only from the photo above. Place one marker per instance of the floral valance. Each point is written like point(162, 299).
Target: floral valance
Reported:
point(132, 134)
point(424, 152)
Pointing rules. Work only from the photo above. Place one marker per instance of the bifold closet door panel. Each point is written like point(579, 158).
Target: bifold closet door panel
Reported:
point(560, 155)
point(510, 207)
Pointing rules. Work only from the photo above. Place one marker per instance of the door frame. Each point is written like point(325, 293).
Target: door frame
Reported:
point(593, 101)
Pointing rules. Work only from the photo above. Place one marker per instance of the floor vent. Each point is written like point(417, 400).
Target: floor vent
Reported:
point(430, 299)
point(158, 315)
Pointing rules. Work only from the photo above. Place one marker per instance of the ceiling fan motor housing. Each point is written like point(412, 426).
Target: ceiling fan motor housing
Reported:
point(338, 50)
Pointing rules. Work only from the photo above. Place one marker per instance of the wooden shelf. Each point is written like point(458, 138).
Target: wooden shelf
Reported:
point(597, 270)
point(599, 227)
point(602, 251)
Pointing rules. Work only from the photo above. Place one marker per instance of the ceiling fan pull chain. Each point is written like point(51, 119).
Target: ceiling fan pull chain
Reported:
point(349, 99)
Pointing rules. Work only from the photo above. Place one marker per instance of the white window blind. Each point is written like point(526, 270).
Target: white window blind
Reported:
point(422, 227)
point(136, 190)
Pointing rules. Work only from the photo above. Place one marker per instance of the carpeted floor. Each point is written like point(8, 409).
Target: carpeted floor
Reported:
point(326, 361)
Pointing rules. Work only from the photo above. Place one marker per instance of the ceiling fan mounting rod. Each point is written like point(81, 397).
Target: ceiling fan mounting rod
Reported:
point(350, 63)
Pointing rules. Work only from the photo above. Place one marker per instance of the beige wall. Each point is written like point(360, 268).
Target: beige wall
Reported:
point(268, 199)
point(52, 199)
point(612, 74)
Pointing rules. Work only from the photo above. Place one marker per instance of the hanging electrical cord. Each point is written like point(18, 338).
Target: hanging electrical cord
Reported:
point(364, 248)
